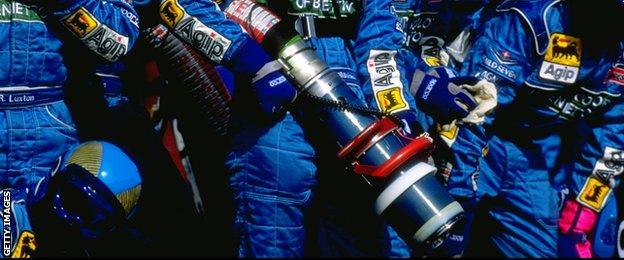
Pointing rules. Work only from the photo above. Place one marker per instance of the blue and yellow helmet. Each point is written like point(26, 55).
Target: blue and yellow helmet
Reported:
point(94, 191)
point(112, 167)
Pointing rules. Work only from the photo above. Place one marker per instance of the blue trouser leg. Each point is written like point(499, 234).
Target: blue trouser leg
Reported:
point(517, 212)
point(31, 141)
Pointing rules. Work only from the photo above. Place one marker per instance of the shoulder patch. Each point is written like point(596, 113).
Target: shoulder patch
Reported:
point(100, 39)
point(564, 49)
point(390, 100)
point(81, 22)
point(562, 59)
point(594, 194)
point(171, 12)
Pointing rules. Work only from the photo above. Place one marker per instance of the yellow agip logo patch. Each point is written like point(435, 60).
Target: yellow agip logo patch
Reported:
point(594, 194)
point(171, 12)
point(564, 50)
point(390, 99)
point(26, 246)
point(81, 22)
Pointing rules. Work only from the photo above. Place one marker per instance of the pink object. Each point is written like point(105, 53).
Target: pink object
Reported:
point(583, 225)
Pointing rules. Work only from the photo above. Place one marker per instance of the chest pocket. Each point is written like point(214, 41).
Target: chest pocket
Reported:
point(324, 8)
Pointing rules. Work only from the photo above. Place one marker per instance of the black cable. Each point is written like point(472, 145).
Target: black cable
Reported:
point(348, 107)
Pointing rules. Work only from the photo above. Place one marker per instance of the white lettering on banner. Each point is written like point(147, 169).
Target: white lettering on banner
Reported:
point(21, 98)
point(254, 18)
point(193, 31)
point(107, 43)
point(207, 40)
point(321, 7)
point(17, 11)
point(418, 27)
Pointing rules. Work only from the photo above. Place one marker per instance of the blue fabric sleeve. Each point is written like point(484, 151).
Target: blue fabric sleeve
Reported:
point(108, 28)
point(202, 24)
point(381, 61)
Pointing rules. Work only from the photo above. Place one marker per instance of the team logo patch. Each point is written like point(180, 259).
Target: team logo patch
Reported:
point(171, 12)
point(26, 246)
point(594, 194)
point(390, 100)
point(100, 39)
point(386, 81)
point(616, 75)
point(562, 59)
point(564, 50)
point(81, 22)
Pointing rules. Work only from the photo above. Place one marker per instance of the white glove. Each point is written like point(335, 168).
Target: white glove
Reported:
point(484, 92)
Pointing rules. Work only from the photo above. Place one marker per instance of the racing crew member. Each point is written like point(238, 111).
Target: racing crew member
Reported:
point(275, 168)
point(587, 182)
point(556, 77)
point(42, 40)
point(429, 34)
point(203, 26)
